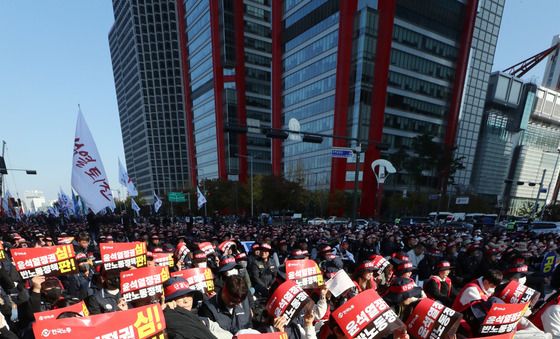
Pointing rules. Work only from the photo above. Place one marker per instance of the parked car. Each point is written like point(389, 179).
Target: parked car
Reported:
point(541, 227)
point(337, 221)
point(317, 221)
point(360, 223)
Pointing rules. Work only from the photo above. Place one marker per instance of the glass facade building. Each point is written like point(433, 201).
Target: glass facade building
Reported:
point(227, 63)
point(485, 37)
point(519, 141)
point(426, 53)
point(145, 54)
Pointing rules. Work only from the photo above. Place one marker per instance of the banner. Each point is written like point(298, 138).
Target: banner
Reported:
point(2, 251)
point(135, 206)
point(431, 319)
point(143, 283)
point(164, 259)
point(79, 308)
point(275, 335)
point(305, 272)
point(287, 300)
point(247, 245)
point(137, 323)
point(515, 293)
point(89, 178)
point(201, 199)
point(157, 203)
point(549, 263)
point(367, 316)
point(123, 255)
point(47, 261)
point(125, 180)
point(200, 279)
point(502, 318)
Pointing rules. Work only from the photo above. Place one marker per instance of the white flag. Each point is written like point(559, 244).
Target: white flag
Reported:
point(157, 203)
point(135, 206)
point(201, 198)
point(125, 180)
point(89, 178)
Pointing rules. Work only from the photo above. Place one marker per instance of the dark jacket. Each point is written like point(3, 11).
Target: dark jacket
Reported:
point(183, 324)
point(102, 302)
point(262, 276)
point(215, 310)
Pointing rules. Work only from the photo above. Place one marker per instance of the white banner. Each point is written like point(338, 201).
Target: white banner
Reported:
point(135, 206)
point(201, 198)
point(125, 180)
point(157, 203)
point(89, 178)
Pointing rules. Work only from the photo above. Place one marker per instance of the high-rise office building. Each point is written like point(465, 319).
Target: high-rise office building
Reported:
point(227, 69)
point(518, 144)
point(484, 39)
point(383, 71)
point(551, 77)
point(145, 53)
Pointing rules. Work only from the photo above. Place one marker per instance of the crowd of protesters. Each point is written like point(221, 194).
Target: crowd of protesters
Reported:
point(461, 268)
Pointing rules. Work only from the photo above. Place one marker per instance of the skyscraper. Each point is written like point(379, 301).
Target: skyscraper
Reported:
point(385, 72)
point(484, 39)
point(551, 77)
point(226, 63)
point(145, 52)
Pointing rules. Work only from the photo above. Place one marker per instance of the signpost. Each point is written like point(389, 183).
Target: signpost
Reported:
point(342, 152)
point(462, 201)
point(176, 197)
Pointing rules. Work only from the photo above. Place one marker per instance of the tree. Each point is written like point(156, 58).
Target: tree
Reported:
point(430, 162)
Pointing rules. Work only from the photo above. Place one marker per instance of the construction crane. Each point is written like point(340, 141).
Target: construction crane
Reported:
point(521, 68)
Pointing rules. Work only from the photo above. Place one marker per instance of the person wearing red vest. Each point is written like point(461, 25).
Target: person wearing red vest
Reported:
point(439, 286)
point(547, 318)
point(477, 290)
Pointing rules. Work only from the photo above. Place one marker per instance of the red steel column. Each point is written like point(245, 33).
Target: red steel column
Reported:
point(386, 13)
point(277, 12)
point(218, 72)
point(187, 92)
point(343, 63)
point(239, 23)
point(459, 81)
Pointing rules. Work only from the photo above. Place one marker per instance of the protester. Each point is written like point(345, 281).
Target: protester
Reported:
point(443, 257)
point(230, 307)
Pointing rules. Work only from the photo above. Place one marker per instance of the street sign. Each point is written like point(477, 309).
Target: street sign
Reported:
point(176, 197)
point(341, 152)
point(462, 201)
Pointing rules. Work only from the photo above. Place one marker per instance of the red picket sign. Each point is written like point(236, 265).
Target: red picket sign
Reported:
point(143, 283)
point(206, 247)
point(305, 272)
point(431, 319)
point(200, 279)
point(119, 256)
point(287, 300)
point(79, 308)
point(164, 259)
point(367, 316)
point(47, 261)
point(138, 323)
point(502, 318)
point(515, 293)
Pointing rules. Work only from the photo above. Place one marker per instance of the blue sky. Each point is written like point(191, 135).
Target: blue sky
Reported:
point(54, 55)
